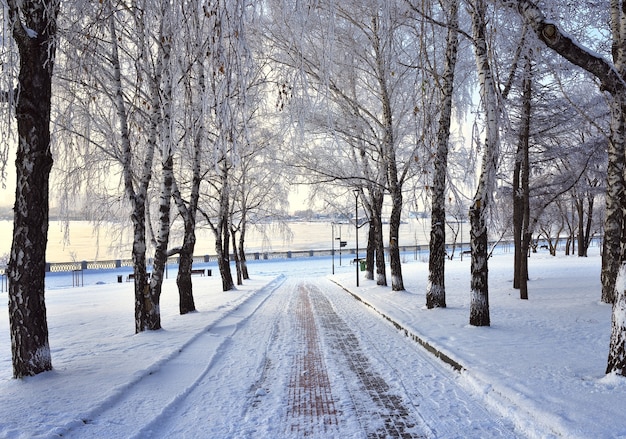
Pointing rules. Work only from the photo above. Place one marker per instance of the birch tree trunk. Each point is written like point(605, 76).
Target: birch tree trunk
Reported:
point(394, 182)
point(370, 249)
point(164, 135)
point(613, 264)
point(479, 305)
point(238, 272)
point(614, 218)
point(136, 192)
point(379, 244)
point(221, 231)
point(242, 253)
point(195, 96)
point(160, 253)
point(34, 27)
point(436, 289)
point(186, 303)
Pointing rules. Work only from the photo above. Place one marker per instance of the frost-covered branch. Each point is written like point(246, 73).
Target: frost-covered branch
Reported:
point(566, 46)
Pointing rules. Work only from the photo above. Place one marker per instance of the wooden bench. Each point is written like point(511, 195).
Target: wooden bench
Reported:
point(199, 271)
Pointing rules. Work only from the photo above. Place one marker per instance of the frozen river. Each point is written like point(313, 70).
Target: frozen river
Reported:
point(82, 241)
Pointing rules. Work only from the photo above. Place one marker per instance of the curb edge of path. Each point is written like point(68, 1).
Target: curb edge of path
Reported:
point(524, 411)
point(413, 336)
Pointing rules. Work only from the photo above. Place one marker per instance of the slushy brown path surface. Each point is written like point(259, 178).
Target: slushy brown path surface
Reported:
point(301, 358)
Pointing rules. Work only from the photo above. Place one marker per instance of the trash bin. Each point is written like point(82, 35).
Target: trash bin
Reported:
point(119, 278)
point(363, 265)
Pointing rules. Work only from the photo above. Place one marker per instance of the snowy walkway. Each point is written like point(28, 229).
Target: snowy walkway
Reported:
point(289, 356)
point(308, 361)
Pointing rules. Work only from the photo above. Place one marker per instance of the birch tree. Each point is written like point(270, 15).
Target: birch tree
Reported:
point(195, 105)
point(611, 76)
point(231, 66)
point(353, 91)
point(436, 291)
point(161, 132)
point(479, 305)
point(33, 25)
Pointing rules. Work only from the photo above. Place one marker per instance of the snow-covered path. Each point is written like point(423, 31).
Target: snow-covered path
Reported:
point(299, 358)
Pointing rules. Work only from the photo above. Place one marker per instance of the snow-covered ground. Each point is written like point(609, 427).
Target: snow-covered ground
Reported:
point(539, 368)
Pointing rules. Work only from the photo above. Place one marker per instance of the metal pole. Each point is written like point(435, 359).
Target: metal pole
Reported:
point(339, 245)
point(461, 225)
point(332, 225)
point(356, 225)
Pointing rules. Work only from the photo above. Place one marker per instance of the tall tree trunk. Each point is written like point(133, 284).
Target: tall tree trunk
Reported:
point(479, 305)
point(370, 250)
point(613, 259)
point(521, 186)
point(239, 272)
point(188, 211)
point(590, 203)
point(223, 257)
point(379, 243)
point(611, 78)
point(160, 253)
point(613, 219)
point(222, 236)
point(395, 262)
point(580, 208)
point(370, 253)
point(143, 304)
point(242, 252)
point(137, 197)
point(436, 289)
point(163, 90)
point(394, 184)
point(186, 303)
point(27, 263)
point(518, 219)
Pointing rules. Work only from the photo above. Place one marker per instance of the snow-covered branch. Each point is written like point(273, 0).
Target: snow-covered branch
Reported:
point(566, 46)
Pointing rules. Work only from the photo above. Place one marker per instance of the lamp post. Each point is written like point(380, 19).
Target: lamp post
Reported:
point(341, 244)
point(332, 243)
point(356, 226)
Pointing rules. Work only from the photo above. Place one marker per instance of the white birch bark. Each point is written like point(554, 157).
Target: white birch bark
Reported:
point(436, 289)
point(136, 192)
point(33, 25)
point(163, 104)
point(479, 305)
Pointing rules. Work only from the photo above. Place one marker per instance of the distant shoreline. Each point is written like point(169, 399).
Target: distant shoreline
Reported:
point(82, 241)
